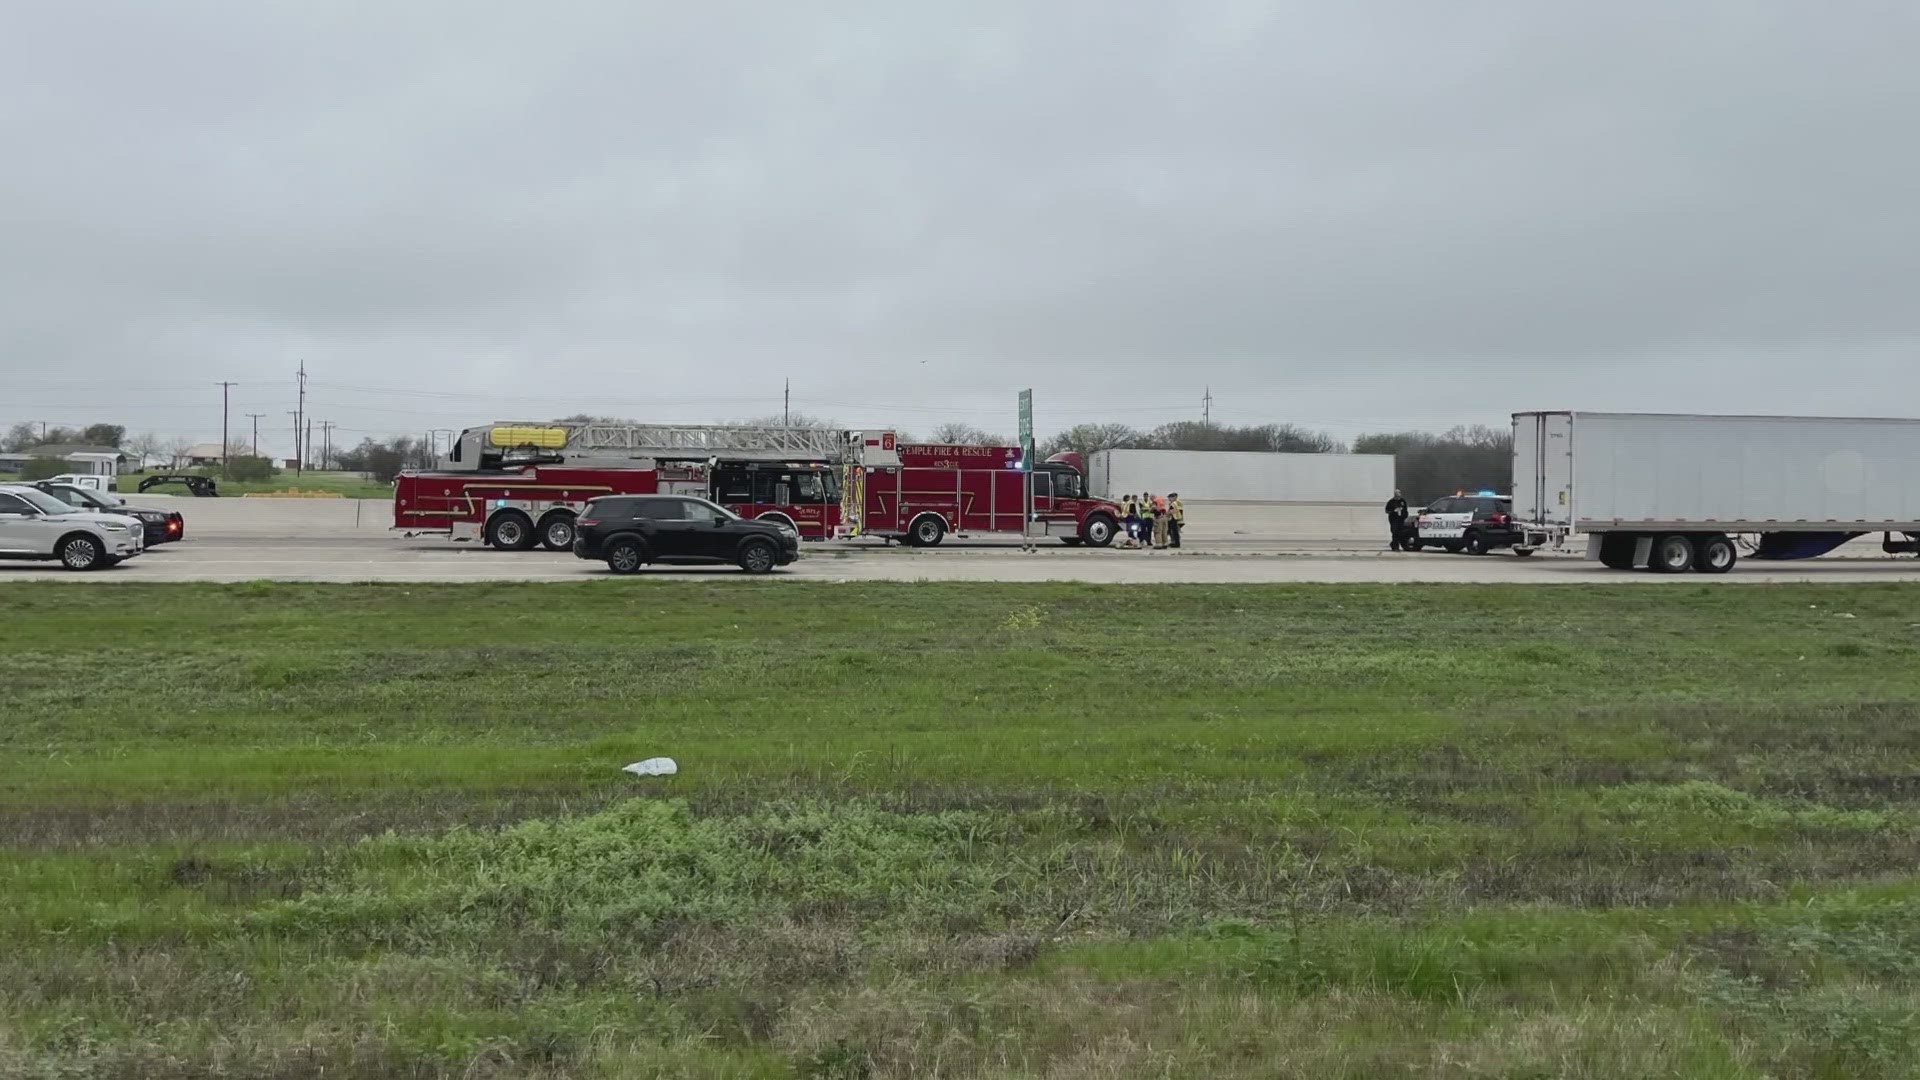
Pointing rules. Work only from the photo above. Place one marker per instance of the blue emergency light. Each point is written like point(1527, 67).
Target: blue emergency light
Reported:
point(1486, 493)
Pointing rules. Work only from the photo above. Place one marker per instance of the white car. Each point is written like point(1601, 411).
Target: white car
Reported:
point(35, 525)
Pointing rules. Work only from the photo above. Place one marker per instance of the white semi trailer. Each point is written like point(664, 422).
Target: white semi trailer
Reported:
point(1674, 493)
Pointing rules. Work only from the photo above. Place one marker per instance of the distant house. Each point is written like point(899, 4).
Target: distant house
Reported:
point(85, 459)
point(206, 453)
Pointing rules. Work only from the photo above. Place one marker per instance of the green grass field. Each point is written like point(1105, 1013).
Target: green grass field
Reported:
point(959, 830)
point(349, 485)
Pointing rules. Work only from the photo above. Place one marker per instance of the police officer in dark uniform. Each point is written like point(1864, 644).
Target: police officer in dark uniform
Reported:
point(1397, 521)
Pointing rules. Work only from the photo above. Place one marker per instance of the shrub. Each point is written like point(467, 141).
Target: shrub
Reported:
point(41, 468)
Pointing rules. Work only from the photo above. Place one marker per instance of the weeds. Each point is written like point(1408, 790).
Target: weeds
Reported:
point(1030, 830)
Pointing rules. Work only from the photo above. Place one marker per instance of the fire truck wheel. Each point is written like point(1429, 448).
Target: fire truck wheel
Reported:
point(928, 530)
point(756, 557)
point(1098, 531)
point(510, 530)
point(625, 555)
point(556, 531)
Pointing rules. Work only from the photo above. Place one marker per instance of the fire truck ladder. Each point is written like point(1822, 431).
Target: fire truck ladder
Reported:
point(690, 442)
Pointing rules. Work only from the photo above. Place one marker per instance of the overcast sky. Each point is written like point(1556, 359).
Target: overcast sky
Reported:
point(1347, 215)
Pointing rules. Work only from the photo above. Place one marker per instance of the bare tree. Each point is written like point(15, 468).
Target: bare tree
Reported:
point(959, 434)
point(178, 448)
point(143, 446)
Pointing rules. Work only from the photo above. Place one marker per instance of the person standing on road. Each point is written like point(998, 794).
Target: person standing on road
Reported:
point(1130, 511)
point(1397, 521)
point(1176, 517)
point(1146, 519)
point(1162, 520)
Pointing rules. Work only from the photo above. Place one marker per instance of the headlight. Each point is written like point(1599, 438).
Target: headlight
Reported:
point(107, 526)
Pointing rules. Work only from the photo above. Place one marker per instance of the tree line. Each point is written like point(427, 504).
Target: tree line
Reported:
point(1426, 465)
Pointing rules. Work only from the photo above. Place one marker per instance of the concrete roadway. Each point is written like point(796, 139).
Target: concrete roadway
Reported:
point(382, 557)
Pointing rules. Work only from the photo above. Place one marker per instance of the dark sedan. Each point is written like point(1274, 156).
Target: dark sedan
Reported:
point(630, 531)
point(161, 526)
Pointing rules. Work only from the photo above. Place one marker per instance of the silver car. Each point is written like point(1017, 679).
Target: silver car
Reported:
point(35, 525)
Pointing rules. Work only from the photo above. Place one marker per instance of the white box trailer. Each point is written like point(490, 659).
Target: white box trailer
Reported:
point(1676, 492)
point(1245, 476)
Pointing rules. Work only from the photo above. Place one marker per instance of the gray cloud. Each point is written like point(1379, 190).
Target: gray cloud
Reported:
point(1343, 215)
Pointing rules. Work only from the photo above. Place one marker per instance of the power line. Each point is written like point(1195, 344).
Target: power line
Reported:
point(255, 417)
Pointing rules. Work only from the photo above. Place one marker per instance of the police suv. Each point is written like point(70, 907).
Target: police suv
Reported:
point(1480, 524)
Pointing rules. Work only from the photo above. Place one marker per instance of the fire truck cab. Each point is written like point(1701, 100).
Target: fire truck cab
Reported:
point(919, 494)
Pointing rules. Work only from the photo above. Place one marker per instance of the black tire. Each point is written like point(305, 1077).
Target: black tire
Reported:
point(1616, 552)
point(557, 531)
point(625, 555)
point(1071, 541)
point(928, 531)
point(83, 552)
point(510, 530)
point(1672, 554)
point(1524, 552)
point(1453, 547)
point(1477, 544)
point(1098, 531)
point(1415, 544)
point(758, 556)
point(1715, 555)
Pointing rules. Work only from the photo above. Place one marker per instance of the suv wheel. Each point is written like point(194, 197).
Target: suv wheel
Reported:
point(756, 557)
point(82, 553)
point(624, 556)
point(1477, 544)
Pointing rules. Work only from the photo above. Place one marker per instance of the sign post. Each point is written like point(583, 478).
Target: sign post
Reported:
point(1026, 462)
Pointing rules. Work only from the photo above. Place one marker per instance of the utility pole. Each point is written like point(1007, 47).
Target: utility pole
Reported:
point(326, 441)
point(1206, 408)
point(309, 450)
point(299, 414)
point(255, 417)
point(786, 406)
point(223, 429)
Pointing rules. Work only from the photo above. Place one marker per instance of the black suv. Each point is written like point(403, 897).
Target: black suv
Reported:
point(161, 526)
point(629, 531)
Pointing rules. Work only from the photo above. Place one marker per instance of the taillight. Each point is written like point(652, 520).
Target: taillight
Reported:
point(588, 523)
point(1498, 519)
point(173, 526)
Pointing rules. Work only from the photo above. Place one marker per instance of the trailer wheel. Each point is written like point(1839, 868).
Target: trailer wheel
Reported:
point(928, 530)
point(1098, 531)
point(556, 531)
point(509, 530)
point(1715, 555)
point(1672, 554)
point(1616, 552)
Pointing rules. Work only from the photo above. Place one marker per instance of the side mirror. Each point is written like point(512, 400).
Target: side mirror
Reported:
point(720, 521)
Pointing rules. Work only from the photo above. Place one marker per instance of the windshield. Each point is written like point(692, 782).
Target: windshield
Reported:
point(82, 498)
point(42, 501)
point(715, 508)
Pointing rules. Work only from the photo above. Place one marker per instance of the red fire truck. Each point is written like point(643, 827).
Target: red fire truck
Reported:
point(515, 486)
point(919, 494)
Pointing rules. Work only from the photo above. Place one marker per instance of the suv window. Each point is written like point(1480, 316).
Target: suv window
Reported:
point(1442, 506)
point(663, 509)
point(1486, 507)
point(13, 504)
